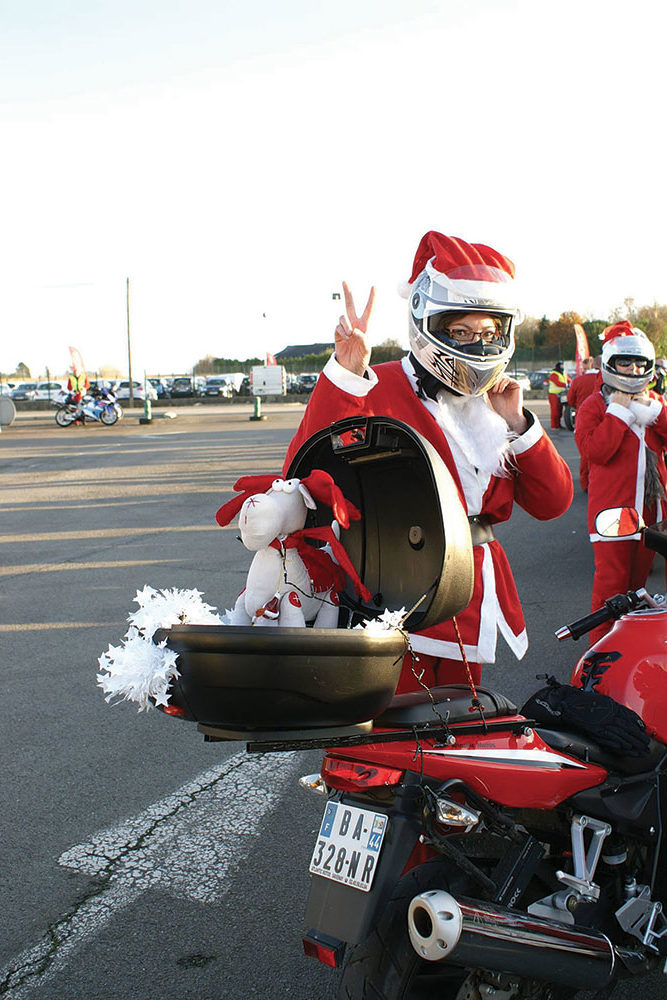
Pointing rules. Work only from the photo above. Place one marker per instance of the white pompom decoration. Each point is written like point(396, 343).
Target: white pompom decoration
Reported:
point(140, 670)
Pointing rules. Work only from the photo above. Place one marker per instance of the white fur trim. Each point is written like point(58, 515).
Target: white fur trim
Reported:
point(529, 437)
point(655, 406)
point(517, 643)
point(622, 412)
point(601, 538)
point(641, 468)
point(489, 612)
point(645, 415)
point(443, 648)
point(404, 288)
point(491, 621)
point(498, 290)
point(347, 381)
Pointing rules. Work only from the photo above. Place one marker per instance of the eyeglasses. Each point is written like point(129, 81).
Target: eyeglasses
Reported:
point(640, 363)
point(465, 336)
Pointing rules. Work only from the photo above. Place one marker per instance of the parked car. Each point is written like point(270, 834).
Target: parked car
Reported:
point(161, 388)
point(24, 390)
point(6, 388)
point(539, 379)
point(307, 382)
point(50, 390)
point(217, 385)
point(183, 385)
point(122, 390)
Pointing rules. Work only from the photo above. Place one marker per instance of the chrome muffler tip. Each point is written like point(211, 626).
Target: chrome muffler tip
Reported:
point(434, 924)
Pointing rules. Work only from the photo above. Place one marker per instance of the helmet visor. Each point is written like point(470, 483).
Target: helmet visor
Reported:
point(479, 335)
point(623, 362)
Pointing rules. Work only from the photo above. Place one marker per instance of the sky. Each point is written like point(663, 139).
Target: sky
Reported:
point(232, 161)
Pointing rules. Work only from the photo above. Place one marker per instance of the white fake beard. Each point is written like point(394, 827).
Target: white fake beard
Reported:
point(478, 430)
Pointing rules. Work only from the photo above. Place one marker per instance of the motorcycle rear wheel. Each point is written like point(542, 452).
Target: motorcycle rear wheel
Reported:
point(109, 416)
point(64, 417)
point(386, 967)
point(568, 417)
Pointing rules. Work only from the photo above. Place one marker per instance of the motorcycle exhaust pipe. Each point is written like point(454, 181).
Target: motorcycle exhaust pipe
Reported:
point(482, 935)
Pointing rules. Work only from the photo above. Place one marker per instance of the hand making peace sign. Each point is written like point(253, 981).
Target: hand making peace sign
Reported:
point(352, 348)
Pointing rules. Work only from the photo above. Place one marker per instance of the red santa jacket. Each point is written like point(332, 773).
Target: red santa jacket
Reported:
point(582, 387)
point(613, 442)
point(539, 481)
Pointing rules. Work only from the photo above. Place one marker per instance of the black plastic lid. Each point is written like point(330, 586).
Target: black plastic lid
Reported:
point(412, 545)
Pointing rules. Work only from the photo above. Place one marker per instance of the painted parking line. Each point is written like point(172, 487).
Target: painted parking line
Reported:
point(189, 844)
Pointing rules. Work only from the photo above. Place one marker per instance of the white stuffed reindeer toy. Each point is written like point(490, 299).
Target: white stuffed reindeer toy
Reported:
point(290, 582)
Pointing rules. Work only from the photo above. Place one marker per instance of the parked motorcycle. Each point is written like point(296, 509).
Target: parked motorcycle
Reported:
point(467, 851)
point(99, 405)
point(568, 412)
point(480, 853)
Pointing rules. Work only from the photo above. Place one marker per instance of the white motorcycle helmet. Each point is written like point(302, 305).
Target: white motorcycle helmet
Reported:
point(627, 343)
point(451, 279)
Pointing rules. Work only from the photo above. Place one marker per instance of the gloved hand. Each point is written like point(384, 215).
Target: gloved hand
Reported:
point(614, 727)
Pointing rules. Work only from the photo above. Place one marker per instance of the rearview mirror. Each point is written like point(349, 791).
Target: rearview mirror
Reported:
point(619, 522)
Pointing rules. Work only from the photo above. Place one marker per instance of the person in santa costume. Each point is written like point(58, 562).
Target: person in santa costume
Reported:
point(622, 431)
point(452, 389)
point(581, 387)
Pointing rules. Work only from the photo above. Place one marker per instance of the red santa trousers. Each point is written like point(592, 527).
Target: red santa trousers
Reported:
point(556, 408)
point(619, 567)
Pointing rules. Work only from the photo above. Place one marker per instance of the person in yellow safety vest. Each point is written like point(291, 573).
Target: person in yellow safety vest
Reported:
point(558, 382)
point(77, 383)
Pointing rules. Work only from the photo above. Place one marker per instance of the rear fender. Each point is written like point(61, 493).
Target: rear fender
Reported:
point(349, 914)
point(517, 770)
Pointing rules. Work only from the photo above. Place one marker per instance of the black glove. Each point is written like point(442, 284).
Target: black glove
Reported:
point(613, 726)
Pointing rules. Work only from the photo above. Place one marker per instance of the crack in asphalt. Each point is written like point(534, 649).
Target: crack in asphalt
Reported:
point(187, 843)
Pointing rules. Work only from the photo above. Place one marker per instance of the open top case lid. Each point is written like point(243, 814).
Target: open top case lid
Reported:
point(412, 546)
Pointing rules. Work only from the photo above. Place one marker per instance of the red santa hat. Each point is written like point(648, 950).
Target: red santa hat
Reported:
point(624, 329)
point(469, 269)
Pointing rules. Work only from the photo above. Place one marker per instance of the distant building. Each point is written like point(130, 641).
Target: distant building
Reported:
point(301, 350)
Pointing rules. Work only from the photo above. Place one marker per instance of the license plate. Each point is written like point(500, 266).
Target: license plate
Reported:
point(348, 845)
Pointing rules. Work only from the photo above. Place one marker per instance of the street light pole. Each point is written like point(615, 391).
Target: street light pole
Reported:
point(129, 348)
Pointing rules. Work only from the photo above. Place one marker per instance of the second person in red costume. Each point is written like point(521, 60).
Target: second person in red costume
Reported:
point(622, 432)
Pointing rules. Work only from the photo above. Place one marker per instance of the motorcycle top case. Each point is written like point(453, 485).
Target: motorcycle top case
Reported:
point(412, 548)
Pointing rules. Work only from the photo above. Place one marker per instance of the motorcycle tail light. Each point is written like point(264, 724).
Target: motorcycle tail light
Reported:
point(327, 950)
point(349, 776)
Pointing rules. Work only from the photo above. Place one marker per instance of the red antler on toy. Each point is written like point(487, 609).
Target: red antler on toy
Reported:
point(323, 489)
point(251, 485)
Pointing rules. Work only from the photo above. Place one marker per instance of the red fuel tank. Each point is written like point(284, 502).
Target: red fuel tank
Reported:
point(630, 665)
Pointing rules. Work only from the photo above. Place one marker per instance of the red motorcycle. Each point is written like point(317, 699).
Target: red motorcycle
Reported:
point(488, 855)
point(466, 850)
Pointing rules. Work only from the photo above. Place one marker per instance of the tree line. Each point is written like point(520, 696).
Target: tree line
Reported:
point(555, 338)
point(537, 339)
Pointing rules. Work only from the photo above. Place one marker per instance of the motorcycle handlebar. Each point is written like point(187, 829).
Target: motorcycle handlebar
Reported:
point(613, 608)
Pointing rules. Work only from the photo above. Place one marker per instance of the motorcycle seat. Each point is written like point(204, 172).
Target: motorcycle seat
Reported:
point(453, 702)
point(586, 750)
